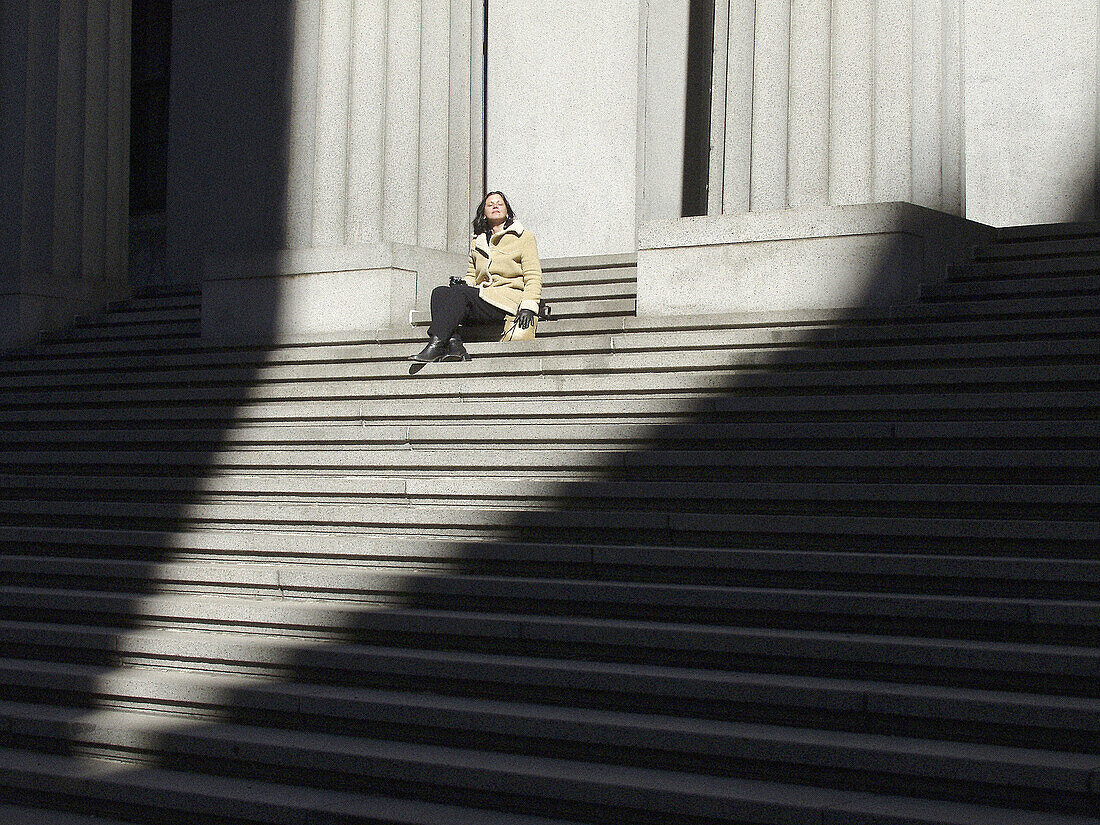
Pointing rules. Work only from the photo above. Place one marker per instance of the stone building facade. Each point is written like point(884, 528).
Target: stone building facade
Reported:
point(325, 156)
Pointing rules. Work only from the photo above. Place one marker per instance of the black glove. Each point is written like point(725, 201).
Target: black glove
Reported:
point(525, 318)
point(456, 280)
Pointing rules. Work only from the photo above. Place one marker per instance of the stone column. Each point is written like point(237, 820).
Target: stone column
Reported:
point(321, 160)
point(836, 168)
point(1031, 111)
point(563, 105)
point(64, 129)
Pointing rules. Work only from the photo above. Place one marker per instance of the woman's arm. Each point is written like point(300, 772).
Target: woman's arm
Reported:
point(471, 270)
point(532, 273)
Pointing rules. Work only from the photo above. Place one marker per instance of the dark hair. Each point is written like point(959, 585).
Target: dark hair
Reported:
point(481, 223)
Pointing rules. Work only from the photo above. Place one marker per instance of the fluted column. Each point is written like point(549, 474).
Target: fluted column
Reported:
point(378, 141)
point(838, 102)
point(64, 133)
point(836, 168)
point(366, 115)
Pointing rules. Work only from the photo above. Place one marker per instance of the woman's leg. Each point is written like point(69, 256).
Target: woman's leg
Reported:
point(460, 304)
point(449, 308)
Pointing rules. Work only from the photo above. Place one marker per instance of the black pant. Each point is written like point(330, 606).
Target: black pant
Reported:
point(460, 304)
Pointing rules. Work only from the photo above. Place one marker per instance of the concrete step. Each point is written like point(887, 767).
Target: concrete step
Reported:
point(1003, 310)
point(557, 428)
point(566, 299)
point(561, 294)
point(1083, 283)
point(940, 454)
point(581, 308)
point(748, 517)
point(939, 714)
point(707, 746)
point(962, 307)
point(259, 494)
point(679, 669)
point(153, 795)
point(885, 406)
point(918, 464)
point(181, 296)
point(949, 616)
point(138, 307)
point(20, 815)
point(632, 355)
point(1042, 269)
point(1043, 247)
point(183, 324)
point(135, 318)
point(1048, 231)
point(186, 673)
point(307, 576)
point(698, 671)
point(1020, 332)
point(678, 748)
point(246, 557)
point(649, 796)
point(589, 268)
point(63, 346)
point(588, 376)
point(680, 563)
point(554, 431)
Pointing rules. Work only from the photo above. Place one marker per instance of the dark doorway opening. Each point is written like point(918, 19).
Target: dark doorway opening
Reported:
point(150, 80)
point(700, 67)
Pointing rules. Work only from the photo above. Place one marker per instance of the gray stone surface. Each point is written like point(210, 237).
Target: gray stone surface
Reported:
point(661, 119)
point(563, 92)
point(353, 122)
point(230, 135)
point(821, 103)
point(340, 291)
point(350, 131)
point(808, 166)
point(1032, 124)
point(770, 105)
point(813, 258)
point(821, 111)
point(64, 128)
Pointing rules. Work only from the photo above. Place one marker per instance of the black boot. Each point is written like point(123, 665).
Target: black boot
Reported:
point(455, 350)
point(434, 351)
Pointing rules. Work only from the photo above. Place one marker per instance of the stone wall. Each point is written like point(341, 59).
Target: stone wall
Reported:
point(833, 119)
point(307, 132)
point(1032, 123)
point(64, 129)
point(562, 120)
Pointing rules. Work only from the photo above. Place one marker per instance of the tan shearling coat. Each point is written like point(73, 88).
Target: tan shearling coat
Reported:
point(506, 269)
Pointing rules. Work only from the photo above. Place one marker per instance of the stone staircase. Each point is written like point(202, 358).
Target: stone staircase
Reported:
point(830, 568)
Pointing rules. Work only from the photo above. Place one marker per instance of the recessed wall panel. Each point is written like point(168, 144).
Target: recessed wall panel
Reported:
point(562, 97)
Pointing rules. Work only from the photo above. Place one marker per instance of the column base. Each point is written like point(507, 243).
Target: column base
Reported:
point(24, 316)
point(41, 305)
point(839, 257)
point(334, 294)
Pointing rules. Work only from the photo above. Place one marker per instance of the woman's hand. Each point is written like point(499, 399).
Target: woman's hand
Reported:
point(525, 318)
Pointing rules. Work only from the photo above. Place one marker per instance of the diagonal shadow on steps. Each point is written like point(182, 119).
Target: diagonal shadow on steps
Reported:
point(112, 431)
point(605, 625)
point(792, 552)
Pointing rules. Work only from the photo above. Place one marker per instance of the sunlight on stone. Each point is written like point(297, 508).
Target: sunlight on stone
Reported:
point(192, 655)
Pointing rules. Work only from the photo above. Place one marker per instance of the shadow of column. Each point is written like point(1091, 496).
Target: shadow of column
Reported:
point(231, 199)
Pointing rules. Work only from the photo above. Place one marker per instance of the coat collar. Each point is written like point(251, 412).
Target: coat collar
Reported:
point(482, 245)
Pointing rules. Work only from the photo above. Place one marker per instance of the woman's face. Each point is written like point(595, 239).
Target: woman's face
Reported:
point(495, 210)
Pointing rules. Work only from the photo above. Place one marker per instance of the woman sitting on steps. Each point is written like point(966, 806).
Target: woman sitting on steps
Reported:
point(504, 278)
